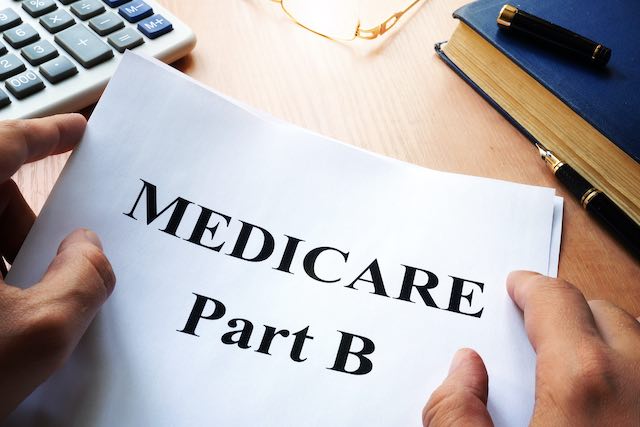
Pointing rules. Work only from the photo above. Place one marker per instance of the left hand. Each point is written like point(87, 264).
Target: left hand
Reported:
point(41, 325)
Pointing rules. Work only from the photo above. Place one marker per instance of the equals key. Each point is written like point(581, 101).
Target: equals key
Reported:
point(125, 39)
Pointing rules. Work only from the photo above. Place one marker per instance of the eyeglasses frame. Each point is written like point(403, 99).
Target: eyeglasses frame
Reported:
point(360, 33)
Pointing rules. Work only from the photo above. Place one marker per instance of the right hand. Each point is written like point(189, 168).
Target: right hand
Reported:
point(587, 366)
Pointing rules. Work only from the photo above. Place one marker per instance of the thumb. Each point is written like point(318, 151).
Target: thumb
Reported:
point(461, 400)
point(77, 282)
point(47, 320)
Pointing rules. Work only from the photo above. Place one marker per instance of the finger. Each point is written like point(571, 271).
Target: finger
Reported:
point(48, 319)
point(23, 141)
point(618, 328)
point(16, 219)
point(76, 284)
point(556, 314)
point(462, 398)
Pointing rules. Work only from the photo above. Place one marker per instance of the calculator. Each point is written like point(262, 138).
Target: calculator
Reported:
point(58, 55)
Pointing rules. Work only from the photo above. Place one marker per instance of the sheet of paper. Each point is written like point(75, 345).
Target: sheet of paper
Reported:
point(556, 234)
point(558, 206)
point(335, 239)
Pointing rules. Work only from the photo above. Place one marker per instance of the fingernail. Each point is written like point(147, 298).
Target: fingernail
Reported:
point(459, 359)
point(93, 238)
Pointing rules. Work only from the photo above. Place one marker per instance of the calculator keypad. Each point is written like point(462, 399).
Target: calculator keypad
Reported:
point(9, 19)
point(87, 30)
point(125, 39)
point(37, 8)
point(155, 26)
point(57, 21)
point(115, 3)
point(58, 70)
point(24, 84)
point(135, 10)
point(86, 9)
point(4, 99)
point(84, 46)
point(21, 35)
point(10, 65)
point(39, 52)
point(106, 24)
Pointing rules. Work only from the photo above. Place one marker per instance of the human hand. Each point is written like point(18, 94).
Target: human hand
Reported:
point(587, 363)
point(41, 325)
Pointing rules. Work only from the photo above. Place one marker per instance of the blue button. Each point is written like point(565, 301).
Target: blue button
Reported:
point(115, 3)
point(135, 10)
point(155, 26)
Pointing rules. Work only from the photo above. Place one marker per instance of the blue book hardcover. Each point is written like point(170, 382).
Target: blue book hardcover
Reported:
point(608, 99)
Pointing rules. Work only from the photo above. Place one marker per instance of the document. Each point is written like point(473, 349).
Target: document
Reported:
point(271, 276)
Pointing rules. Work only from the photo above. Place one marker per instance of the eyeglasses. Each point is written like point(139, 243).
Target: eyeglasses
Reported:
point(336, 19)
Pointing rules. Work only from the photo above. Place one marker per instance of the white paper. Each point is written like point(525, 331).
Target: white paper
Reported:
point(135, 368)
point(556, 235)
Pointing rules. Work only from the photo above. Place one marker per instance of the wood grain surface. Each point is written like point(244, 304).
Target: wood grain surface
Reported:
point(392, 96)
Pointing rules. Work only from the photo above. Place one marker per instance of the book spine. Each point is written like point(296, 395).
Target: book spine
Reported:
point(463, 76)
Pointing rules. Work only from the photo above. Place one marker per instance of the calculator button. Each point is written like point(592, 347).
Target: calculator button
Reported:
point(39, 52)
point(115, 3)
point(58, 69)
point(37, 8)
point(84, 46)
point(86, 9)
point(9, 18)
point(24, 84)
point(106, 23)
point(10, 65)
point(57, 21)
point(135, 10)
point(155, 26)
point(125, 39)
point(21, 35)
point(4, 99)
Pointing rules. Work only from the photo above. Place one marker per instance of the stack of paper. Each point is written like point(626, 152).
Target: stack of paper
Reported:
point(270, 276)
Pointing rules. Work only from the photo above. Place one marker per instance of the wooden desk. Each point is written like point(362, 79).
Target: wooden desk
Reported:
point(392, 96)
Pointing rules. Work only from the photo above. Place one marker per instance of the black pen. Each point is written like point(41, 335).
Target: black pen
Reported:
point(3, 268)
point(595, 202)
point(519, 21)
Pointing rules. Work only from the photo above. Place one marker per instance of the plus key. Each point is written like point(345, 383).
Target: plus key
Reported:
point(84, 46)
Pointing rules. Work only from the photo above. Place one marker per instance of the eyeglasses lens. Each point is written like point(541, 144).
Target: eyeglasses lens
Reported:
point(336, 19)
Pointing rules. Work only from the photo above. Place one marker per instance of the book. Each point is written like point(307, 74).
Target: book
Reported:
point(271, 276)
point(587, 116)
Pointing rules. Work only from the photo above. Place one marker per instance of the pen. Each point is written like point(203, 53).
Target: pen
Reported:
point(3, 268)
point(595, 202)
point(519, 21)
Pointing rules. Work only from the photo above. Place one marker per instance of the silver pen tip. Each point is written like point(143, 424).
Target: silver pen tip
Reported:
point(544, 153)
